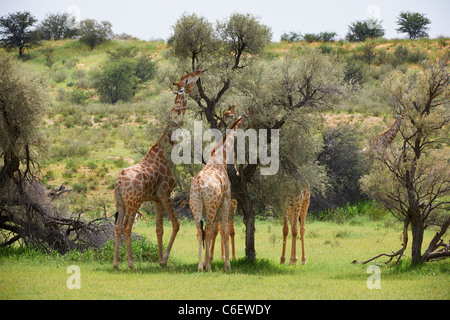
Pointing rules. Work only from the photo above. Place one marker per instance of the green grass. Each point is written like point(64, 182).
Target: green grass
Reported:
point(329, 274)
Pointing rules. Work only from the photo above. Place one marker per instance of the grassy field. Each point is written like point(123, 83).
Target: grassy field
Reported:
point(329, 273)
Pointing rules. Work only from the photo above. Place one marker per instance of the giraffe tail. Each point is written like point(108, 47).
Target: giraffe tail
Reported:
point(203, 233)
point(120, 213)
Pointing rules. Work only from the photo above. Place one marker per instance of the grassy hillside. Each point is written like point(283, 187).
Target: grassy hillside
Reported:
point(89, 142)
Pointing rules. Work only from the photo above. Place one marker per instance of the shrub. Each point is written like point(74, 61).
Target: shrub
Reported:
point(354, 72)
point(79, 96)
point(400, 54)
point(143, 250)
point(80, 187)
point(311, 37)
point(417, 56)
point(69, 148)
point(59, 76)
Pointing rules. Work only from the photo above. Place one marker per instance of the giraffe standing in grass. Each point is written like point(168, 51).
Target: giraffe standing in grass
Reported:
point(211, 188)
point(296, 208)
point(152, 180)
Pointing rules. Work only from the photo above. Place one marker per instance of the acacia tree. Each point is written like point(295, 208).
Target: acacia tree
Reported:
point(414, 24)
point(27, 213)
point(287, 95)
point(56, 27)
point(94, 33)
point(411, 179)
point(16, 30)
point(364, 29)
point(223, 50)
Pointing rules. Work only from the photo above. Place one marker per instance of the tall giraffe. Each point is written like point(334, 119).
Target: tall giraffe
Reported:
point(381, 143)
point(152, 180)
point(296, 208)
point(211, 188)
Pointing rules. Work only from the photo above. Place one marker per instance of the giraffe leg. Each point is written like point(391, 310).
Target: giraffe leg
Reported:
point(128, 224)
point(175, 227)
point(304, 211)
point(120, 213)
point(231, 229)
point(222, 245)
point(215, 231)
point(195, 203)
point(302, 235)
point(232, 233)
point(208, 233)
point(225, 208)
point(285, 234)
point(159, 208)
point(294, 231)
point(118, 229)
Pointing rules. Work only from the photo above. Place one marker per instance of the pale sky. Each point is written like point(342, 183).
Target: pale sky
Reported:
point(152, 19)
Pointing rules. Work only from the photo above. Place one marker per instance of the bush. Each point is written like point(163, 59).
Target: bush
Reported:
point(59, 76)
point(79, 96)
point(70, 148)
point(340, 155)
point(143, 250)
point(354, 72)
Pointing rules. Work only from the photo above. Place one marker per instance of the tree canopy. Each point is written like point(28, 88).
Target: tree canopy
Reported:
point(362, 29)
point(16, 30)
point(414, 24)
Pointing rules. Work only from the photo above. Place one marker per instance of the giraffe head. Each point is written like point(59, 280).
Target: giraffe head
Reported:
point(187, 82)
point(185, 86)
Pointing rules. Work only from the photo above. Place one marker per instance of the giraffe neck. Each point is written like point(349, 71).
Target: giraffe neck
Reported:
point(164, 143)
point(224, 148)
point(386, 138)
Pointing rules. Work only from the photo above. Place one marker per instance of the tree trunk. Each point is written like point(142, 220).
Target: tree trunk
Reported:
point(249, 221)
point(240, 193)
point(417, 239)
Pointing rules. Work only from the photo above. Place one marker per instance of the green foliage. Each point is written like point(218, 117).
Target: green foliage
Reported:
point(292, 36)
point(93, 33)
point(243, 33)
point(414, 24)
point(192, 37)
point(60, 76)
point(16, 30)
point(354, 72)
point(69, 148)
point(23, 102)
point(116, 81)
point(340, 155)
point(195, 38)
point(56, 27)
point(362, 29)
point(119, 78)
point(143, 250)
point(320, 37)
point(79, 96)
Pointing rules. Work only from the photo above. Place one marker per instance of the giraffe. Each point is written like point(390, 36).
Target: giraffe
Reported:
point(382, 141)
point(296, 208)
point(151, 180)
point(231, 231)
point(211, 188)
